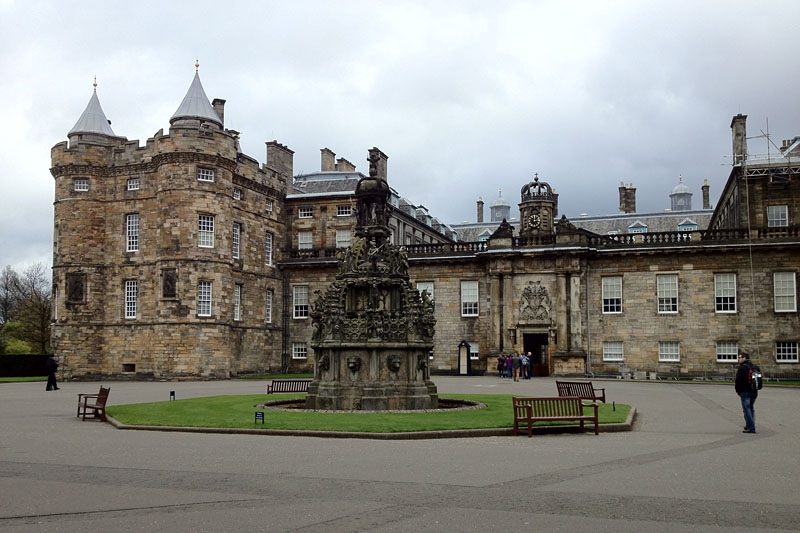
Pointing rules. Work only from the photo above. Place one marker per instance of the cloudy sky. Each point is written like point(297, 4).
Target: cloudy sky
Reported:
point(464, 97)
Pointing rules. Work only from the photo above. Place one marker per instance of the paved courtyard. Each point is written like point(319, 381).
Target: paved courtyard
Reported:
point(685, 467)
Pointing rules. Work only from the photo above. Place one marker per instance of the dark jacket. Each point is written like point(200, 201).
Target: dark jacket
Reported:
point(743, 377)
point(50, 366)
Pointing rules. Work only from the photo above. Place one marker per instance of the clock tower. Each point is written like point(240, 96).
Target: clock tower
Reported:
point(538, 208)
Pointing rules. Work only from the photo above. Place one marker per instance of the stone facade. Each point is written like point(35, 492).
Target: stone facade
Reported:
point(200, 309)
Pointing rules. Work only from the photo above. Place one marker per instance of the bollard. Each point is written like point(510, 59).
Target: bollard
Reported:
point(614, 406)
point(171, 395)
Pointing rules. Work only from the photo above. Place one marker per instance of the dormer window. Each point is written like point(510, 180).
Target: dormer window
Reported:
point(205, 174)
point(637, 227)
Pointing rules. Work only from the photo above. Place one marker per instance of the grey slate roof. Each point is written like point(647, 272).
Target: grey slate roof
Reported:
point(195, 104)
point(93, 120)
point(655, 222)
point(322, 182)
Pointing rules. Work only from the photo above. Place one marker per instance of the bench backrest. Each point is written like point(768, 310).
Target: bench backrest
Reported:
point(582, 389)
point(290, 385)
point(102, 396)
point(551, 407)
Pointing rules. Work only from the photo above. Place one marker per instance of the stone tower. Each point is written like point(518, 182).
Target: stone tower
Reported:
point(373, 330)
point(538, 208)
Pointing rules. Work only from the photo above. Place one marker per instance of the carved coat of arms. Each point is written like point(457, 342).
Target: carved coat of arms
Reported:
point(534, 304)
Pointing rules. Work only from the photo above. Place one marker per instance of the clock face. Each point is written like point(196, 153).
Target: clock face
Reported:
point(533, 220)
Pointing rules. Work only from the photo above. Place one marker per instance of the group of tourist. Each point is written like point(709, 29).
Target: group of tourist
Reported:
point(514, 366)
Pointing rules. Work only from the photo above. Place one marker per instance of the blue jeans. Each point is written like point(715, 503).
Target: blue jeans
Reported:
point(748, 408)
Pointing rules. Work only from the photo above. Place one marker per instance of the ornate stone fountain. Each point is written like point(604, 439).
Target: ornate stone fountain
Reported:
point(373, 330)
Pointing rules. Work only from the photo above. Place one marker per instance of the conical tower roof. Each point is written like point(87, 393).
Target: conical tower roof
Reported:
point(93, 120)
point(196, 105)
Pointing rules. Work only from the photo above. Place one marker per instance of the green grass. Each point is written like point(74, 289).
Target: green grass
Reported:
point(277, 376)
point(237, 412)
point(22, 380)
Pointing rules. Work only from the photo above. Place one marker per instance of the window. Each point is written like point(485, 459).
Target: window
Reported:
point(237, 302)
point(612, 294)
point(268, 248)
point(785, 292)
point(237, 193)
point(304, 240)
point(301, 301)
point(725, 293)
point(80, 184)
point(133, 184)
point(786, 352)
point(777, 216)
point(268, 313)
point(76, 288)
point(425, 286)
point(169, 280)
point(205, 174)
point(305, 212)
point(299, 350)
point(237, 233)
point(343, 211)
point(268, 206)
point(687, 227)
point(205, 231)
point(667, 293)
point(204, 298)
point(727, 351)
point(343, 237)
point(473, 350)
point(132, 232)
point(612, 351)
point(130, 298)
point(669, 352)
point(469, 298)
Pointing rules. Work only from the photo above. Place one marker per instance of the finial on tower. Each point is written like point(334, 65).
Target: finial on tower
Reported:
point(197, 65)
point(95, 83)
point(680, 178)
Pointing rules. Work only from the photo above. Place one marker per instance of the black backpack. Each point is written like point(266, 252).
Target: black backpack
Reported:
point(756, 379)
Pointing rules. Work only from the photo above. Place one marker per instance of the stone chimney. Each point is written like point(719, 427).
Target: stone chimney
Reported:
point(343, 165)
point(328, 160)
point(480, 209)
point(739, 134)
point(627, 198)
point(380, 163)
point(706, 199)
point(280, 158)
point(219, 106)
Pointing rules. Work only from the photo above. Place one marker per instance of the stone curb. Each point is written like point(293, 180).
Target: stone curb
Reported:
point(407, 435)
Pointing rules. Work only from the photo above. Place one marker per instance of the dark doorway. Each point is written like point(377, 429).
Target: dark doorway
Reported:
point(536, 344)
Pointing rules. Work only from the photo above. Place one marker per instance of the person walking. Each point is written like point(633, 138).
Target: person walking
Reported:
point(523, 363)
point(50, 367)
point(515, 364)
point(747, 394)
point(528, 368)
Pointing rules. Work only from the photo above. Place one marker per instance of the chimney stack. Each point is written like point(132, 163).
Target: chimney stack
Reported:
point(328, 160)
point(627, 198)
point(280, 158)
point(706, 199)
point(739, 133)
point(480, 209)
point(219, 106)
point(343, 165)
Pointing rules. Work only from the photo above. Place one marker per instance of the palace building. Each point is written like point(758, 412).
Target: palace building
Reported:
point(185, 258)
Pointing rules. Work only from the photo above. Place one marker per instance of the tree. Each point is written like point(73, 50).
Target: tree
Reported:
point(9, 294)
point(35, 307)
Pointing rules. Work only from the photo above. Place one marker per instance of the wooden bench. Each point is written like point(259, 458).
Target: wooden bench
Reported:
point(530, 410)
point(582, 389)
point(93, 405)
point(288, 385)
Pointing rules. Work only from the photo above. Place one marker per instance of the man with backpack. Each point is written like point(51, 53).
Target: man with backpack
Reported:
point(748, 381)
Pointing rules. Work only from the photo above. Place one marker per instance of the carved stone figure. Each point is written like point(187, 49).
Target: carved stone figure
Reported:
point(324, 363)
point(354, 363)
point(394, 362)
